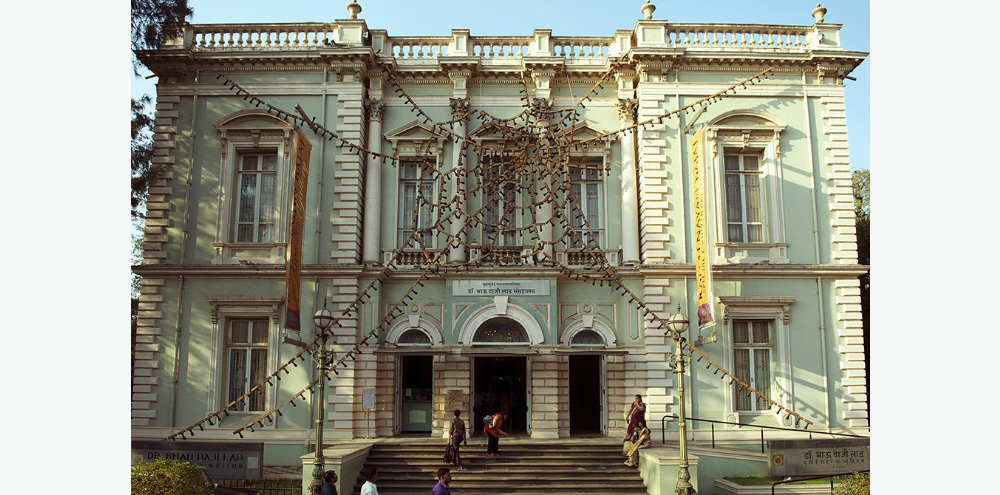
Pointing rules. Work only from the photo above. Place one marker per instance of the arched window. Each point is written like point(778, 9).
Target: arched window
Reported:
point(501, 330)
point(587, 338)
point(414, 337)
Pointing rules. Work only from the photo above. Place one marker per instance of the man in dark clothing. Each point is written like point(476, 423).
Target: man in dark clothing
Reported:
point(329, 488)
point(444, 477)
point(457, 433)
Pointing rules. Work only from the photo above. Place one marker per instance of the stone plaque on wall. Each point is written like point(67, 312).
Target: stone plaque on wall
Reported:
point(500, 288)
point(817, 457)
point(222, 460)
point(454, 400)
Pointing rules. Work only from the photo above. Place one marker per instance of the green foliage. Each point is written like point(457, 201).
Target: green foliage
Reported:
point(163, 477)
point(155, 21)
point(861, 186)
point(854, 484)
point(143, 171)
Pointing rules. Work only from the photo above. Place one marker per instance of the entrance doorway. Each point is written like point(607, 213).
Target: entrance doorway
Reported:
point(585, 397)
point(416, 377)
point(501, 386)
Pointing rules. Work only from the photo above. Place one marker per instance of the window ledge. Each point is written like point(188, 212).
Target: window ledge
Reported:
point(231, 253)
point(755, 253)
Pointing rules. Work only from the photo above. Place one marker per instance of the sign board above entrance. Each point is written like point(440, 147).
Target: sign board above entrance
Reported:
point(500, 288)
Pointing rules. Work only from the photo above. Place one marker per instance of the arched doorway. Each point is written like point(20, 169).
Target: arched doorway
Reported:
point(585, 385)
point(501, 380)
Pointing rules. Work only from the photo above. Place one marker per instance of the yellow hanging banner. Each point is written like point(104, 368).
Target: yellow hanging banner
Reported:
point(703, 267)
point(293, 254)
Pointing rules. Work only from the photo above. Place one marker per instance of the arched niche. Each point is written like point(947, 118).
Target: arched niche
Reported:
point(478, 318)
point(401, 334)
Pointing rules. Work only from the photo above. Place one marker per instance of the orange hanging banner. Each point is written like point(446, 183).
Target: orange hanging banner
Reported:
point(293, 254)
point(703, 267)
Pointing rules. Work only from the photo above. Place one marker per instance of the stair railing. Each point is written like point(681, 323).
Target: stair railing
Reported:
point(663, 429)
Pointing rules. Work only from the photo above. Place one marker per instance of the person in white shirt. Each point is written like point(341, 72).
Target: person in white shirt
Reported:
point(369, 488)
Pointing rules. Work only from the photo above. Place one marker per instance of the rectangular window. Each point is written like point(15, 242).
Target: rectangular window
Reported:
point(246, 347)
point(744, 221)
point(256, 202)
point(416, 192)
point(500, 211)
point(752, 363)
point(586, 186)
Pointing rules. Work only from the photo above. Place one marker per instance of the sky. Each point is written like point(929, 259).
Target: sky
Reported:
point(566, 18)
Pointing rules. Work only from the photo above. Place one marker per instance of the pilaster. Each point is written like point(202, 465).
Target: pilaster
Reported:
point(545, 396)
point(148, 351)
point(346, 216)
point(653, 185)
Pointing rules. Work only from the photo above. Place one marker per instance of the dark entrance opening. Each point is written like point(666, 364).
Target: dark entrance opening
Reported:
point(416, 377)
point(584, 395)
point(501, 385)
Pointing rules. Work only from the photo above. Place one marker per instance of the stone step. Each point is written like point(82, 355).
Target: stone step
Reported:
point(524, 468)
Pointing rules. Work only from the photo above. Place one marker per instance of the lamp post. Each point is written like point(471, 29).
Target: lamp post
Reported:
point(322, 319)
point(677, 324)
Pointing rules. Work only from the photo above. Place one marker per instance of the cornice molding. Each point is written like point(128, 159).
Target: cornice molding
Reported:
point(648, 270)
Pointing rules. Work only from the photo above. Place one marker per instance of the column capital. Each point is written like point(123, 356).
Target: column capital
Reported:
point(376, 108)
point(627, 109)
point(459, 108)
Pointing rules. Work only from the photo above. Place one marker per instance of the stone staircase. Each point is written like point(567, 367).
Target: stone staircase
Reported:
point(525, 467)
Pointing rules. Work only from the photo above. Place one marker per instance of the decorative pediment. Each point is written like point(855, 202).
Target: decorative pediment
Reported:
point(757, 307)
point(414, 139)
point(244, 306)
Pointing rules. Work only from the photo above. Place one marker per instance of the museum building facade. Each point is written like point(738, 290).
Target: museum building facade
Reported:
point(498, 223)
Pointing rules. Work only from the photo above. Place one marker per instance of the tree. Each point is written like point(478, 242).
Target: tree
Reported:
point(155, 21)
point(143, 171)
point(861, 184)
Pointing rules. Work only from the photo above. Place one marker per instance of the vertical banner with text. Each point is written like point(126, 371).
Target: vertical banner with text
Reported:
point(703, 267)
point(293, 254)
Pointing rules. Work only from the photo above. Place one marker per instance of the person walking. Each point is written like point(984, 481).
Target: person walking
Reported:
point(457, 434)
point(371, 476)
point(493, 433)
point(330, 487)
point(444, 478)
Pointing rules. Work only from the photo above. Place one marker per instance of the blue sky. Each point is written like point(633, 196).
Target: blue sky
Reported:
point(566, 18)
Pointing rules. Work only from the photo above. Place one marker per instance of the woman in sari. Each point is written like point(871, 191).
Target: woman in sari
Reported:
point(636, 413)
point(640, 439)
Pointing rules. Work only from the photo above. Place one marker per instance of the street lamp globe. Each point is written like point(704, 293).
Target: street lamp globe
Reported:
point(678, 323)
point(323, 318)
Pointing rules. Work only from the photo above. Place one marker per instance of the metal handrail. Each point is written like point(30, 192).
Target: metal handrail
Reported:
point(831, 476)
point(663, 429)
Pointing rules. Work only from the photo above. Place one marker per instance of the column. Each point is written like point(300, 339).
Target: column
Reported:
point(546, 230)
point(373, 184)
point(630, 201)
point(456, 250)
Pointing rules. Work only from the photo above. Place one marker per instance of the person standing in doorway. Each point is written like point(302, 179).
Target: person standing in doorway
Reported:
point(636, 413)
point(371, 476)
point(457, 433)
point(493, 433)
point(444, 478)
point(330, 487)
